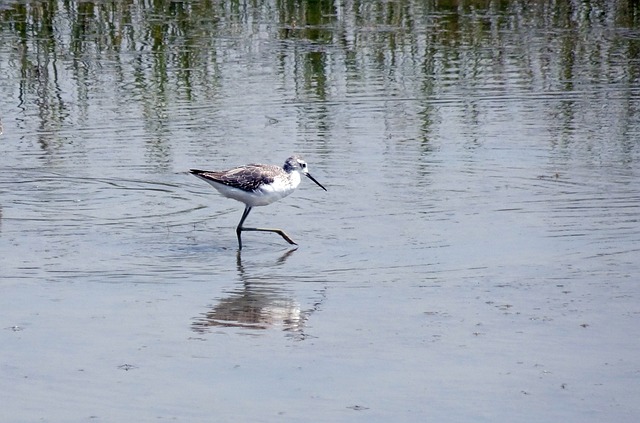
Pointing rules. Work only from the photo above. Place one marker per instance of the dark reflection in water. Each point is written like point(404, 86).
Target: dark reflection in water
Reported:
point(170, 57)
point(260, 302)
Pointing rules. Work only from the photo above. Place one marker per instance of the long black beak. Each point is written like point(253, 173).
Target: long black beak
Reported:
point(314, 180)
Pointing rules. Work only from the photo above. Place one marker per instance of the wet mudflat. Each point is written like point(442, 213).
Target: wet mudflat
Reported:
point(475, 257)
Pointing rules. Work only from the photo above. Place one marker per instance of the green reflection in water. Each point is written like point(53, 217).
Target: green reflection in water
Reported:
point(154, 53)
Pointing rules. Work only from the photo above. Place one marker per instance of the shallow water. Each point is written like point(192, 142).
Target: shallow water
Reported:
point(475, 257)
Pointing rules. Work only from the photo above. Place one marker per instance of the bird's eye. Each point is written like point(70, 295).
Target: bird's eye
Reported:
point(304, 165)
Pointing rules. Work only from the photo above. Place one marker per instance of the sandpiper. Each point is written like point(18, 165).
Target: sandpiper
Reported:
point(258, 185)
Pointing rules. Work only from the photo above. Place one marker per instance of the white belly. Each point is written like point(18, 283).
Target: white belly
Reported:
point(263, 196)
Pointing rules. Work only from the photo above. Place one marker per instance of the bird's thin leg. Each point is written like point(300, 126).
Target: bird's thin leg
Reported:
point(275, 230)
point(240, 228)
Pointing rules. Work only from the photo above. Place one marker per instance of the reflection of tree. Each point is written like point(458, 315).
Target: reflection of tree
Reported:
point(408, 52)
point(258, 303)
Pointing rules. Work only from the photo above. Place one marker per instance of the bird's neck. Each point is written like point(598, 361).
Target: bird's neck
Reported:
point(295, 178)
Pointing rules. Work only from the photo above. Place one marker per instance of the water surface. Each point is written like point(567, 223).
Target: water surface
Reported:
point(474, 258)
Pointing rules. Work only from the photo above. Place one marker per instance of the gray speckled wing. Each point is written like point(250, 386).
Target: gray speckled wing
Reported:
point(247, 178)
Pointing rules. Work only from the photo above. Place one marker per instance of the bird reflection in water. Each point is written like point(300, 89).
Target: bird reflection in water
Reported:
point(259, 303)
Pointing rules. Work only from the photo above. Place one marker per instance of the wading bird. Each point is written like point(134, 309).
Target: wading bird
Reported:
point(258, 185)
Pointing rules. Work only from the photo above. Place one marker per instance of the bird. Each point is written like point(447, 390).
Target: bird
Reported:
point(258, 185)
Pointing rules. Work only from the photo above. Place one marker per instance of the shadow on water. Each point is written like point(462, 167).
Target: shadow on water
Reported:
point(260, 301)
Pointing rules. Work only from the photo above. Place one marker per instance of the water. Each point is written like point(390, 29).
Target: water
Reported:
point(474, 258)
